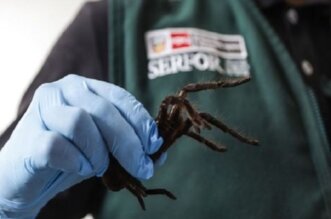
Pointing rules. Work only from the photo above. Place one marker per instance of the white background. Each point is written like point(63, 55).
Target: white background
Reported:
point(28, 29)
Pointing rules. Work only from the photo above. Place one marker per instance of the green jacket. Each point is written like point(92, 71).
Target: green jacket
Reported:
point(288, 176)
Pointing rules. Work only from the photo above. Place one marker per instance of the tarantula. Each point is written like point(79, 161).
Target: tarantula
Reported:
point(176, 117)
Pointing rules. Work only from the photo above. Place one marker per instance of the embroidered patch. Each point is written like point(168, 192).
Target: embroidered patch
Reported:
point(175, 50)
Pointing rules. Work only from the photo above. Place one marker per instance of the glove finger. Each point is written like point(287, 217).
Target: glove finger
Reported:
point(120, 137)
point(134, 112)
point(56, 152)
point(131, 109)
point(77, 125)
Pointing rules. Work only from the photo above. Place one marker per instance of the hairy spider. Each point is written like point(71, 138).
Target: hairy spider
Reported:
point(176, 117)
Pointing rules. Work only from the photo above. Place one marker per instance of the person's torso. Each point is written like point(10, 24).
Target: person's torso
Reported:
point(160, 46)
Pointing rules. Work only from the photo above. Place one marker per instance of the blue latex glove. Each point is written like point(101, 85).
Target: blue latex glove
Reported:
point(65, 137)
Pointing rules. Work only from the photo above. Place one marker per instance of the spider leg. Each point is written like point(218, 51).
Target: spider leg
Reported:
point(179, 101)
point(194, 87)
point(161, 192)
point(138, 196)
point(176, 103)
point(134, 186)
point(170, 139)
point(163, 109)
point(140, 191)
point(219, 124)
point(210, 144)
point(137, 186)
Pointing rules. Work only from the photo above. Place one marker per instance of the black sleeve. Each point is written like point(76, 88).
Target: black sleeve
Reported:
point(81, 49)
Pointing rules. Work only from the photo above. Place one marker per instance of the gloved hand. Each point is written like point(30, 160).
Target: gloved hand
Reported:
point(65, 137)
